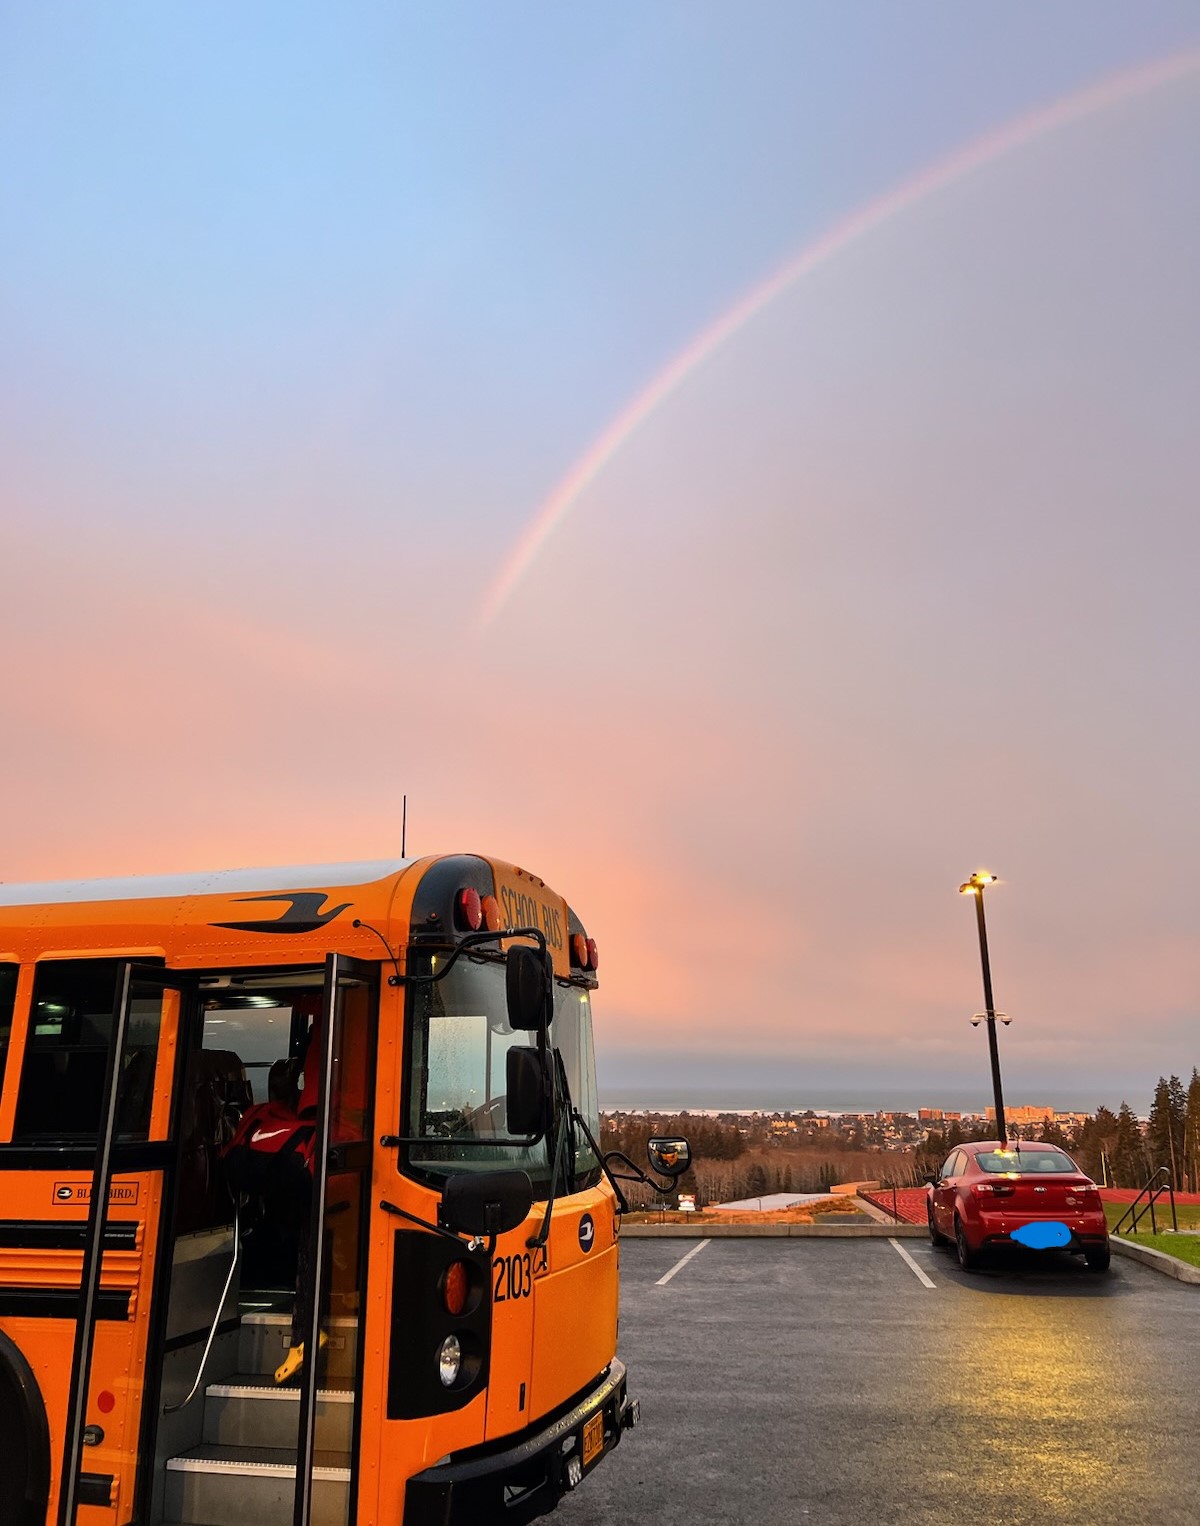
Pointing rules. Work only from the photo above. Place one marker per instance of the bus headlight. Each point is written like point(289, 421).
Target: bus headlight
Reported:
point(449, 1361)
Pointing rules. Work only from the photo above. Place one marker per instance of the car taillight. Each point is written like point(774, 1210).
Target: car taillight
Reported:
point(993, 1189)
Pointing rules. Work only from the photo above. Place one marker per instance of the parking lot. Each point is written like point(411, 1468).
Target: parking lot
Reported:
point(843, 1382)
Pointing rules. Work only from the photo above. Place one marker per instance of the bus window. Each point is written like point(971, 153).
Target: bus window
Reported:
point(66, 1053)
point(8, 993)
point(571, 1033)
point(258, 1033)
point(461, 1040)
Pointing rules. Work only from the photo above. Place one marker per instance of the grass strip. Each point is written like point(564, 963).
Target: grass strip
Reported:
point(1187, 1215)
point(1181, 1247)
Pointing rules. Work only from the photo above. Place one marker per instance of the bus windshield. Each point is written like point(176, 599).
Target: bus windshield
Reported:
point(460, 1041)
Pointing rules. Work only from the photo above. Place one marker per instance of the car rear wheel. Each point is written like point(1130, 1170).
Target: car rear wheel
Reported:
point(1098, 1259)
point(968, 1259)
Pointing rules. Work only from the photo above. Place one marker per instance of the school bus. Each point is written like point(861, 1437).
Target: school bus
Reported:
point(457, 1264)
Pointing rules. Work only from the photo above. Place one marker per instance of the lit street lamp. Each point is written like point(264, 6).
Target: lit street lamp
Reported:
point(975, 886)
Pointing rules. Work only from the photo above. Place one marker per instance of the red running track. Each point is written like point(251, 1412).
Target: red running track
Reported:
point(910, 1203)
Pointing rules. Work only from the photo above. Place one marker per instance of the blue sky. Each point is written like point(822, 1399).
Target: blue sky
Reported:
point(303, 314)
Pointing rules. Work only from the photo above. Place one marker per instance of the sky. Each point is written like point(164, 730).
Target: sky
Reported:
point(737, 462)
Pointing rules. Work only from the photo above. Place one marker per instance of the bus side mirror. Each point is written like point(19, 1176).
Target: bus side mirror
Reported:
point(669, 1157)
point(486, 1202)
point(529, 988)
point(525, 1102)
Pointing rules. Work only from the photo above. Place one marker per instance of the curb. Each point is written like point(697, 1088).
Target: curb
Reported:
point(1156, 1260)
point(775, 1231)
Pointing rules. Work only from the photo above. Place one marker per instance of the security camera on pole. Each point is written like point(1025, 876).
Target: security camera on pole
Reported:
point(975, 886)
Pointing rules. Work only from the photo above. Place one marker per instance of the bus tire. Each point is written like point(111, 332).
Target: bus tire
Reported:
point(25, 1452)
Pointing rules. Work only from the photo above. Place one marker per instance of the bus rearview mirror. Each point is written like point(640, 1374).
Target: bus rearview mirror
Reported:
point(525, 1101)
point(669, 1157)
point(529, 988)
point(486, 1202)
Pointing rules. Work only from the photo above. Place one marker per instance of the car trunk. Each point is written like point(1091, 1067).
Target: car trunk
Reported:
point(1053, 1195)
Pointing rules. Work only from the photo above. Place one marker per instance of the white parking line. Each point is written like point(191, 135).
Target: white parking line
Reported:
point(679, 1265)
point(916, 1270)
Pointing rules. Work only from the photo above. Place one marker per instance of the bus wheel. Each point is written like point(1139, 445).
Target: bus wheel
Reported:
point(25, 1453)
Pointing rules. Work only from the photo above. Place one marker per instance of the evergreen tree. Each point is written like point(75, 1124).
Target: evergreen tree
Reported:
point(1178, 1096)
point(1092, 1144)
point(1164, 1133)
point(1191, 1132)
point(1052, 1134)
point(1128, 1159)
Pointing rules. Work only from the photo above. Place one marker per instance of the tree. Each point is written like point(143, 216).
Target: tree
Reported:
point(1178, 1098)
point(1164, 1132)
point(1092, 1143)
point(1191, 1132)
point(1128, 1160)
point(1052, 1133)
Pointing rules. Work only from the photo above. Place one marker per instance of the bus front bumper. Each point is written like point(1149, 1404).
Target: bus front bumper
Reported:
point(525, 1475)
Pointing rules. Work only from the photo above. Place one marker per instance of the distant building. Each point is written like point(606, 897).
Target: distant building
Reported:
point(929, 1115)
point(1023, 1115)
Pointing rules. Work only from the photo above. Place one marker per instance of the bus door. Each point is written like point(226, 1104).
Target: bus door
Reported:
point(106, 1419)
point(334, 1276)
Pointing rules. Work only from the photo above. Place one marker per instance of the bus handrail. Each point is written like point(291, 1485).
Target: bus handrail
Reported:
point(173, 1409)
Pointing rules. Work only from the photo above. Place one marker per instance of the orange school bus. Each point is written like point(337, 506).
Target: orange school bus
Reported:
point(453, 1261)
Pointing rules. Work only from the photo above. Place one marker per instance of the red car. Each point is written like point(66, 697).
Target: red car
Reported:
point(986, 1198)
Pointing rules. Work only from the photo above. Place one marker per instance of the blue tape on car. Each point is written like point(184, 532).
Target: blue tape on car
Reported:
point(1048, 1234)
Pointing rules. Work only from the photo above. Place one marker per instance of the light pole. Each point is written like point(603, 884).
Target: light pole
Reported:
point(975, 886)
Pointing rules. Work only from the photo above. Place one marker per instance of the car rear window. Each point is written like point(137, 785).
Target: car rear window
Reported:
point(1026, 1162)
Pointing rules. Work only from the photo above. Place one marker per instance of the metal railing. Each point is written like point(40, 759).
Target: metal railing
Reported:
point(1152, 1191)
point(173, 1409)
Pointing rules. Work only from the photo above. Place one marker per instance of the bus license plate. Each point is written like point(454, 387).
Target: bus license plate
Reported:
point(593, 1439)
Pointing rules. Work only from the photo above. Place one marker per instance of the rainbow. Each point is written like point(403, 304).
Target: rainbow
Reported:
point(945, 172)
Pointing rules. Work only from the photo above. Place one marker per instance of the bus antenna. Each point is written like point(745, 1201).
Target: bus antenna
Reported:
point(404, 826)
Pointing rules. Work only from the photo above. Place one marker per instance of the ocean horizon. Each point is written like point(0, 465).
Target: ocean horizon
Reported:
point(867, 1099)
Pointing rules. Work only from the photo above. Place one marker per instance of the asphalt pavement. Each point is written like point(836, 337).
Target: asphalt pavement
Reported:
point(841, 1383)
